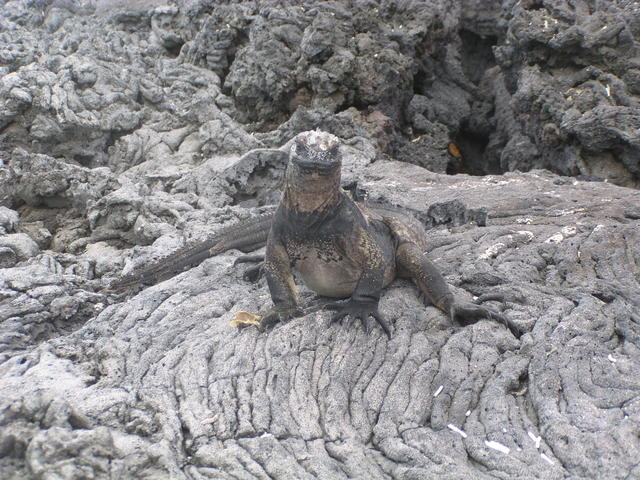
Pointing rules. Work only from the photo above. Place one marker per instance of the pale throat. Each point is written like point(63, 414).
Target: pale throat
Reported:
point(308, 192)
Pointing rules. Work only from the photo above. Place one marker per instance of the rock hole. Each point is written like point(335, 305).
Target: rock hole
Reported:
point(226, 57)
point(606, 297)
point(455, 167)
point(84, 160)
point(174, 50)
point(520, 389)
point(536, 4)
point(421, 81)
point(472, 146)
point(477, 54)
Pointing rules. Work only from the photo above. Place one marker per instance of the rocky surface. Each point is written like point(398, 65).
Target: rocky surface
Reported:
point(128, 128)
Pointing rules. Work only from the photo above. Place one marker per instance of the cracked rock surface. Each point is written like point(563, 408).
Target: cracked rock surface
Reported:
point(130, 128)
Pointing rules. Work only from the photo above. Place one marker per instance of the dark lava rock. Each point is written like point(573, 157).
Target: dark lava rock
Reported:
point(128, 128)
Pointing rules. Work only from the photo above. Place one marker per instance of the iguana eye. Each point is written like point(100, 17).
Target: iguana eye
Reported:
point(300, 147)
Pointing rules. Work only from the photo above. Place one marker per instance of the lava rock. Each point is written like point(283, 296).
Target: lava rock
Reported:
point(130, 128)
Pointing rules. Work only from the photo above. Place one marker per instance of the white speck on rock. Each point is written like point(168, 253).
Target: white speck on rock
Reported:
point(453, 428)
point(536, 440)
point(497, 446)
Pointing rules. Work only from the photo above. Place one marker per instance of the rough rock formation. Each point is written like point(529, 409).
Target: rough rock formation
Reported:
point(128, 128)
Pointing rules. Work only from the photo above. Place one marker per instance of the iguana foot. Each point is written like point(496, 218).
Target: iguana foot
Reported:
point(467, 312)
point(251, 274)
point(279, 315)
point(424, 298)
point(360, 311)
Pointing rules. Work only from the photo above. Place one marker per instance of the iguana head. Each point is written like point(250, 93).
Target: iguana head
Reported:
point(313, 173)
point(316, 151)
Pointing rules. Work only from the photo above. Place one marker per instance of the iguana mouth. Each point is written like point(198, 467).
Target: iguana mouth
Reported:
point(315, 166)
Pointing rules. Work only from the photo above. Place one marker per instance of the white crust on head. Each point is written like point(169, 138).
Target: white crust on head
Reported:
point(318, 140)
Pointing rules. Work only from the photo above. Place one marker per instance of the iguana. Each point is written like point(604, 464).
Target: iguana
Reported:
point(340, 248)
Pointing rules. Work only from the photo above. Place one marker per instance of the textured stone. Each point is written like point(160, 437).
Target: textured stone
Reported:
point(128, 128)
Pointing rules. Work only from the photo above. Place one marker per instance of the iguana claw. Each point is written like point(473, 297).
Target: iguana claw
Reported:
point(467, 312)
point(360, 311)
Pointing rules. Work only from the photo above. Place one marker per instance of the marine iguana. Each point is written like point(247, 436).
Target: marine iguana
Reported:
point(340, 248)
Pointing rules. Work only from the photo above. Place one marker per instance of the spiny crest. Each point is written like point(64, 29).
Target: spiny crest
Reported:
point(317, 140)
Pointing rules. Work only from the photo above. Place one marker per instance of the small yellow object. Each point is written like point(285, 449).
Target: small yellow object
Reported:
point(242, 318)
point(454, 151)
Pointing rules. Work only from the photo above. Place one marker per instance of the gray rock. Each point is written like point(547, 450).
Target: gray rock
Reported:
point(21, 246)
point(201, 389)
point(129, 128)
point(569, 66)
point(8, 219)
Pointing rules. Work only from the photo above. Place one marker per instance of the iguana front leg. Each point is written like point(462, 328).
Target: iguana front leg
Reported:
point(277, 268)
point(366, 296)
point(433, 285)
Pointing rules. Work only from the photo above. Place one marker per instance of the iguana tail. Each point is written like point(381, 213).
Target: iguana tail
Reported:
point(246, 235)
